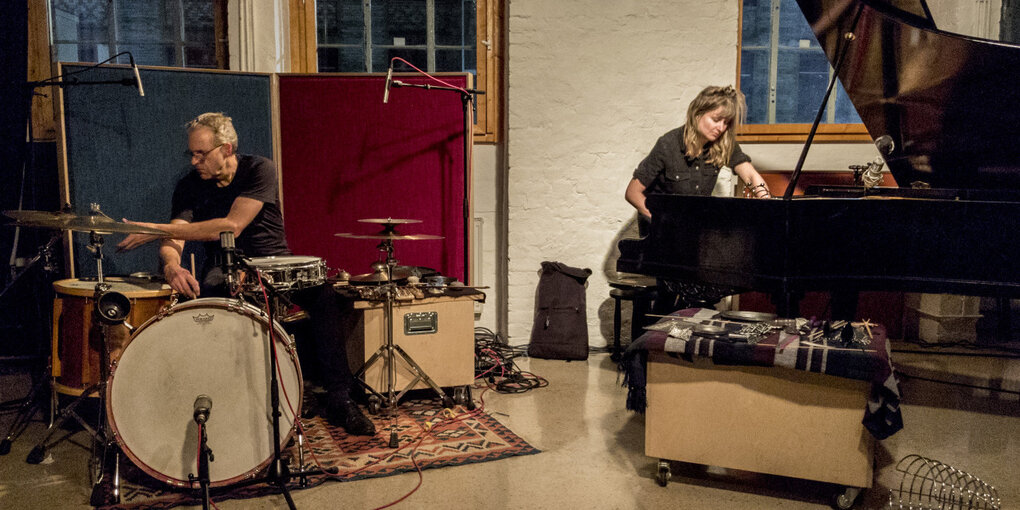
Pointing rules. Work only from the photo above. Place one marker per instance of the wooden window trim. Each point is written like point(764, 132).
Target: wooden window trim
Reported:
point(792, 133)
point(490, 50)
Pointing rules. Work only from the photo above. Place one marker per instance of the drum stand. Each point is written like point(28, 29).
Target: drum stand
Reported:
point(110, 308)
point(390, 352)
point(277, 473)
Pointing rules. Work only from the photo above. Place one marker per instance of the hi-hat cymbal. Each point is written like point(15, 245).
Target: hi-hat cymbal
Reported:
point(392, 236)
point(98, 223)
point(388, 221)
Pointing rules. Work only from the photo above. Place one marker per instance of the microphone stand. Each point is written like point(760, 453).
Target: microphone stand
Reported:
point(277, 472)
point(466, 99)
point(205, 456)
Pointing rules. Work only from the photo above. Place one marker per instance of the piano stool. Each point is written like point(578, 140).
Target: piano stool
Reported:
point(640, 291)
point(763, 419)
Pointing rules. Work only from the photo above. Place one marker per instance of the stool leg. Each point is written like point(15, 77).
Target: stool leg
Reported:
point(615, 354)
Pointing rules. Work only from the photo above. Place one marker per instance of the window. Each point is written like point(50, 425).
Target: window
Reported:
point(784, 74)
point(178, 33)
point(434, 35)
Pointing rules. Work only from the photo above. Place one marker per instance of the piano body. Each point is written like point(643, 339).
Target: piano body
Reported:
point(950, 105)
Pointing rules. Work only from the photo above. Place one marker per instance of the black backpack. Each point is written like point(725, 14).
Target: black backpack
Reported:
point(561, 319)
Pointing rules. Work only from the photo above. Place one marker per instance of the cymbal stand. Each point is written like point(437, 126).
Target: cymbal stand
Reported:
point(102, 438)
point(277, 473)
point(390, 352)
point(30, 403)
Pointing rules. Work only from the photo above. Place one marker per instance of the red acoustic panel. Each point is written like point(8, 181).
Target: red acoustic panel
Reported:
point(346, 156)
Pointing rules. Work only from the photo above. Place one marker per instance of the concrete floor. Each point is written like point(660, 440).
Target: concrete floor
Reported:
point(592, 455)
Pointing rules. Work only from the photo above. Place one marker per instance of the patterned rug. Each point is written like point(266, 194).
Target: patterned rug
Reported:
point(428, 435)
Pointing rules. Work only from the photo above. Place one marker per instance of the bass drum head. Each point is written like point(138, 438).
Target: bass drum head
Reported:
point(212, 346)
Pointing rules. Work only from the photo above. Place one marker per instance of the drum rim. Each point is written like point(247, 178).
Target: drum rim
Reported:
point(62, 287)
point(277, 261)
point(227, 304)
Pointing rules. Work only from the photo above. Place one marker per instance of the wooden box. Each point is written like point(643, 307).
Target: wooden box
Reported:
point(767, 420)
point(437, 333)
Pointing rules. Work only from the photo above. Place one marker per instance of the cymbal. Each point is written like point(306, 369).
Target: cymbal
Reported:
point(98, 223)
point(378, 277)
point(388, 221)
point(392, 236)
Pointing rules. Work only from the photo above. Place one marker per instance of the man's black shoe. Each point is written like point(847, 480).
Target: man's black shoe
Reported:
point(348, 415)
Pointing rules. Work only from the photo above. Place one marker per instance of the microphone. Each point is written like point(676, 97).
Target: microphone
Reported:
point(389, 82)
point(885, 145)
point(203, 407)
point(138, 77)
point(229, 262)
point(872, 175)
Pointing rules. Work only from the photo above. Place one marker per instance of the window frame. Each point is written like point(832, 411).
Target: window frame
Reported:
point(179, 43)
point(792, 133)
point(489, 52)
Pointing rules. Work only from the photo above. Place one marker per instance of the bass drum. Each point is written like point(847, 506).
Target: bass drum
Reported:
point(211, 346)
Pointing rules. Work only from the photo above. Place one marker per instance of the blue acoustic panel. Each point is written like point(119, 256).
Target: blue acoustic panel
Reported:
point(126, 152)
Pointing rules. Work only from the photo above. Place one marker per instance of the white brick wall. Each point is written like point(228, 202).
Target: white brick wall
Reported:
point(592, 85)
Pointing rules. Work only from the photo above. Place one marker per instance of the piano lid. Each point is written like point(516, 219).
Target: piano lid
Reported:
point(950, 103)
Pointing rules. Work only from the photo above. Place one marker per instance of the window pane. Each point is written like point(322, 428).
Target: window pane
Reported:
point(398, 22)
point(381, 58)
point(794, 30)
point(339, 22)
point(754, 83)
point(802, 78)
point(455, 23)
point(152, 54)
point(81, 20)
point(846, 113)
point(342, 60)
point(146, 21)
point(199, 23)
point(455, 60)
point(200, 56)
point(757, 23)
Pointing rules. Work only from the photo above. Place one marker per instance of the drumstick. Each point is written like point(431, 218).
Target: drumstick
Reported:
point(193, 265)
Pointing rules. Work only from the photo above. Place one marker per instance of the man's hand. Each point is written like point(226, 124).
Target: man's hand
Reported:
point(181, 280)
point(133, 241)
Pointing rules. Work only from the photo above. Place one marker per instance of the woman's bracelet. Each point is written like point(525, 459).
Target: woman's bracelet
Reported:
point(757, 189)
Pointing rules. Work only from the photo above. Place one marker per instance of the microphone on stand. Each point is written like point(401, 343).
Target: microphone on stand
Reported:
point(138, 77)
point(229, 262)
point(203, 407)
point(389, 82)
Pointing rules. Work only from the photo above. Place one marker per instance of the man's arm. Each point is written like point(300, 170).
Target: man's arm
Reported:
point(242, 212)
point(179, 278)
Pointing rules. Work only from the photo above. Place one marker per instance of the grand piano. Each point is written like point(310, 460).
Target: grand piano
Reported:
point(950, 105)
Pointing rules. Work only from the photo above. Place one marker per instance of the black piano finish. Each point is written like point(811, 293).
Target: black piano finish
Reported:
point(836, 244)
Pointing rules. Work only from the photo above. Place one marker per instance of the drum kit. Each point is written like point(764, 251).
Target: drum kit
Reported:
point(155, 384)
point(151, 380)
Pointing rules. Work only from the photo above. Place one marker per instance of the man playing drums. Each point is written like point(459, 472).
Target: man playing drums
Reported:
point(227, 191)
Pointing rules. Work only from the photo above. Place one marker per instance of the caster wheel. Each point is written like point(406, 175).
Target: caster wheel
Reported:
point(846, 499)
point(447, 402)
point(664, 473)
point(462, 396)
point(374, 404)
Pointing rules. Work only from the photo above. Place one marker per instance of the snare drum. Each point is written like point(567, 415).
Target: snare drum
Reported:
point(209, 346)
point(289, 272)
point(76, 341)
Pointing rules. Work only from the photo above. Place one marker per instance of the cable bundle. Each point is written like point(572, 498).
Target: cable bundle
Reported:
point(494, 364)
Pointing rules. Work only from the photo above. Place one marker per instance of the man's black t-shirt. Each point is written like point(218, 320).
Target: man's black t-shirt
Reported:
point(196, 199)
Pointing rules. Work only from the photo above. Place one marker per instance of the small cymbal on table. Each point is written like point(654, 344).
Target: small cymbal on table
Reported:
point(388, 221)
point(379, 277)
point(391, 235)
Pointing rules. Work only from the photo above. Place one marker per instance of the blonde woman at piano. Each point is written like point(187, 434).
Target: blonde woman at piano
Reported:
point(687, 160)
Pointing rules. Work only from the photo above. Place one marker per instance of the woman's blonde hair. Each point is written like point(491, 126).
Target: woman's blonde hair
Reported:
point(221, 126)
point(734, 108)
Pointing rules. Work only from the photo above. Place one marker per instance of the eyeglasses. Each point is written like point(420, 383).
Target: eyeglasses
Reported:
point(200, 154)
